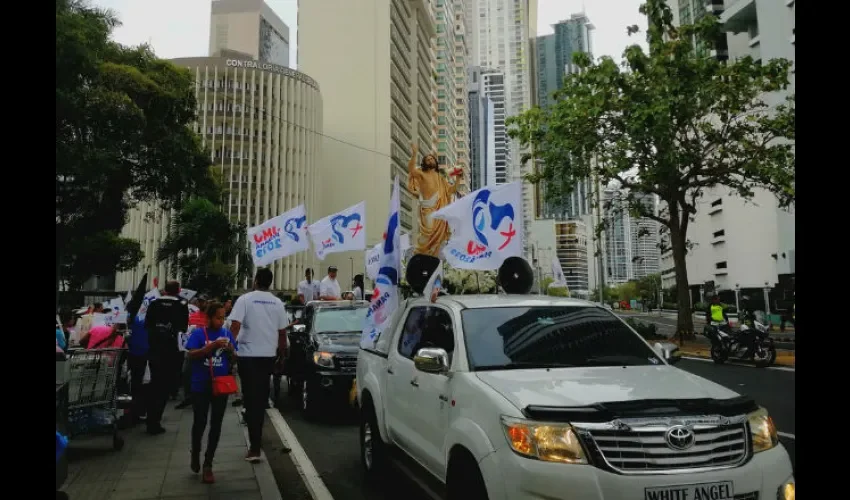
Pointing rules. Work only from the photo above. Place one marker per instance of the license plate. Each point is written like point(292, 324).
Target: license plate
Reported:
point(703, 491)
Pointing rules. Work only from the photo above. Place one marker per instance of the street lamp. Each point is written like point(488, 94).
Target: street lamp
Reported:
point(737, 298)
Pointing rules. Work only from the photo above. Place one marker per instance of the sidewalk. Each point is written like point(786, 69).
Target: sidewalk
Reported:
point(157, 467)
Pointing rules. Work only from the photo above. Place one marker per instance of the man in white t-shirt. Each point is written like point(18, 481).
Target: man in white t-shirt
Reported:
point(258, 323)
point(329, 288)
point(308, 289)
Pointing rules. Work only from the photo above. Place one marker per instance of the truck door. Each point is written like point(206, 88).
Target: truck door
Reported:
point(401, 397)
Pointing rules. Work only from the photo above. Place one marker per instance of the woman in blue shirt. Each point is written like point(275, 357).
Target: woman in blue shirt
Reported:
point(213, 344)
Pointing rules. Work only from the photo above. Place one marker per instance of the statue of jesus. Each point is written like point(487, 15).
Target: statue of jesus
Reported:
point(434, 192)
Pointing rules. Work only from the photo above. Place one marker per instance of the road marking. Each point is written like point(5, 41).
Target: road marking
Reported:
point(777, 368)
point(306, 469)
point(787, 435)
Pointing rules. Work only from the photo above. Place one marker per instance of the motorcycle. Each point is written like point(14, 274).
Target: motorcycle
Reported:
point(751, 342)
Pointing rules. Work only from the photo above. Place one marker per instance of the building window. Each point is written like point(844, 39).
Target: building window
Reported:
point(717, 202)
point(720, 265)
point(718, 234)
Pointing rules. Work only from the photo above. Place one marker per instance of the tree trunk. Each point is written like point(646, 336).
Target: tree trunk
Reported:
point(685, 320)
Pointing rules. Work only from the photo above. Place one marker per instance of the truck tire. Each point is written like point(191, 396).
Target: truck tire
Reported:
point(464, 481)
point(373, 450)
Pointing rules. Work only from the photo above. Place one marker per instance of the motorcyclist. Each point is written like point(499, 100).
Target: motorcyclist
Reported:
point(716, 315)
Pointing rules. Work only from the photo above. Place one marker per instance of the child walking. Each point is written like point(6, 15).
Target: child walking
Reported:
point(212, 351)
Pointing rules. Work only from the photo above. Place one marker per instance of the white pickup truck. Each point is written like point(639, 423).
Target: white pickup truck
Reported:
point(527, 397)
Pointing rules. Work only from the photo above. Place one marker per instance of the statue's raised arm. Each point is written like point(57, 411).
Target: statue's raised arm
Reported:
point(413, 173)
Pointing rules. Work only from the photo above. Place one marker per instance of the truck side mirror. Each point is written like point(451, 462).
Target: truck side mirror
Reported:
point(431, 360)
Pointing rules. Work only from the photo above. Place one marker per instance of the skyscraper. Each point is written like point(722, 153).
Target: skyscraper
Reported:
point(374, 61)
point(250, 27)
point(500, 33)
point(554, 54)
point(631, 243)
point(482, 137)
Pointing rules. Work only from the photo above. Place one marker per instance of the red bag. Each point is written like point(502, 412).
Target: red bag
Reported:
point(224, 385)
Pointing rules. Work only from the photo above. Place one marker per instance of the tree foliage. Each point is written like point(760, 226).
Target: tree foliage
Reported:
point(98, 254)
point(459, 281)
point(122, 132)
point(206, 249)
point(668, 122)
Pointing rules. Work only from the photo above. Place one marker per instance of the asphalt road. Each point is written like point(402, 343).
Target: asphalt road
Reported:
point(666, 324)
point(332, 443)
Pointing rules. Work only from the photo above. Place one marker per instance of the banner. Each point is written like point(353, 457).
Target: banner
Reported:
point(187, 294)
point(486, 227)
point(434, 285)
point(373, 261)
point(558, 273)
point(341, 232)
point(279, 237)
point(385, 294)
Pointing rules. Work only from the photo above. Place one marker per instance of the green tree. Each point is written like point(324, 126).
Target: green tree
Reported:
point(99, 254)
point(122, 134)
point(649, 286)
point(205, 248)
point(668, 122)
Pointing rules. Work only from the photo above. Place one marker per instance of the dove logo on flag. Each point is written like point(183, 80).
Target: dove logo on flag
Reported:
point(434, 285)
point(486, 227)
point(385, 294)
point(291, 226)
point(279, 237)
point(341, 232)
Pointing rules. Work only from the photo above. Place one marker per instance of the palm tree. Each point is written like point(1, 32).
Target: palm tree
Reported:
point(205, 248)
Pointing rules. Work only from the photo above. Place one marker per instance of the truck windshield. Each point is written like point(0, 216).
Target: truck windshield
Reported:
point(339, 320)
point(504, 338)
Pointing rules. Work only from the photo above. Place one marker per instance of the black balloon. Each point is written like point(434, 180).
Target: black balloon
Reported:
point(516, 276)
point(420, 267)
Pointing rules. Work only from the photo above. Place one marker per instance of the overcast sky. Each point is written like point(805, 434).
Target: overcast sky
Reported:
point(180, 28)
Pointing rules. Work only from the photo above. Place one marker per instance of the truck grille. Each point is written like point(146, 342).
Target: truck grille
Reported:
point(645, 450)
point(347, 363)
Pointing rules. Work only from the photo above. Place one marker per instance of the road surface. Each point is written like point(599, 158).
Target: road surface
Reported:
point(333, 446)
point(666, 325)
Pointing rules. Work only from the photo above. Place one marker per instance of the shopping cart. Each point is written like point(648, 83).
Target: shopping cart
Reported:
point(92, 407)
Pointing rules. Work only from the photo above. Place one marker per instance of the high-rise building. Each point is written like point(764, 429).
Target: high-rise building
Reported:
point(748, 245)
point(250, 27)
point(482, 133)
point(452, 114)
point(499, 33)
point(492, 85)
point(631, 243)
point(553, 57)
point(554, 54)
point(375, 63)
point(262, 124)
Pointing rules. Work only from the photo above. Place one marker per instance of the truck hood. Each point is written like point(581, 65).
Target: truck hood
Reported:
point(339, 343)
point(587, 386)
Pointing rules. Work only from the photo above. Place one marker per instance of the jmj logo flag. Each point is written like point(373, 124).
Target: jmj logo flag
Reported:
point(149, 297)
point(434, 285)
point(373, 260)
point(187, 294)
point(340, 232)
point(385, 295)
point(279, 237)
point(486, 227)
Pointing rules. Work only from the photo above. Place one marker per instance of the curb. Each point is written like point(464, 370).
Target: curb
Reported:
point(783, 358)
point(262, 471)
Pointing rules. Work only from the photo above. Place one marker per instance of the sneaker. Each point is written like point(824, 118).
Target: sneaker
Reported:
point(207, 477)
point(253, 457)
point(196, 461)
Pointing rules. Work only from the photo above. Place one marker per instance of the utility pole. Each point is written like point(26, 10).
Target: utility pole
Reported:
point(600, 249)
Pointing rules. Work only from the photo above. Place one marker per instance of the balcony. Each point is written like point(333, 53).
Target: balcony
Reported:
point(425, 16)
point(739, 15)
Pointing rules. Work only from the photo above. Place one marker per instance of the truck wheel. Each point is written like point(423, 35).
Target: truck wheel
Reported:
point(465, 481)
point(373, 451)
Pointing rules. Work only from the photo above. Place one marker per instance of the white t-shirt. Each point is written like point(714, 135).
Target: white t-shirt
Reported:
point(358, 293)
point(261, 315)
point(310, 291)
point(330, 288)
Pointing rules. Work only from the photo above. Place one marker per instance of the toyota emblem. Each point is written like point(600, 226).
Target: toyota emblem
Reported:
point(680, 437)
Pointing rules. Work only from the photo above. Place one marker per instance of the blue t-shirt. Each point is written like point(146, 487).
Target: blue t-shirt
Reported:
point(201, 367)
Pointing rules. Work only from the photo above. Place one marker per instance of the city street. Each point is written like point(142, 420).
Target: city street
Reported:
point(332, 444)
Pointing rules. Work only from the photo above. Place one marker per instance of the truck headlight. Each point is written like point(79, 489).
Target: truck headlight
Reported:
point(550, 442)
point(323, 359)
point(763, 430)
point(788, 491)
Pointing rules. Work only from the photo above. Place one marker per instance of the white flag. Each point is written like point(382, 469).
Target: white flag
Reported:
point(373, 260)
point(385, 294)
point(341, 232)
point(405, 242)
point(486, 227)
point(187, 294)
point(558, 273)
point(434, 285)
point(279, 237)
point(143, 309)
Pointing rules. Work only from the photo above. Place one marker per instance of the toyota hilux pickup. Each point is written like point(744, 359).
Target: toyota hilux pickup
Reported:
point(520, 397)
